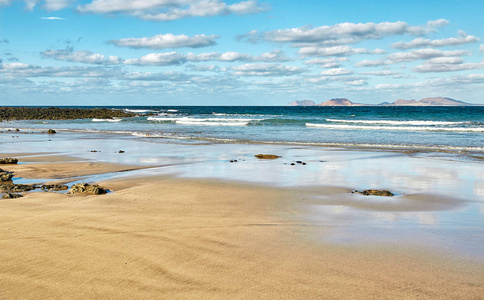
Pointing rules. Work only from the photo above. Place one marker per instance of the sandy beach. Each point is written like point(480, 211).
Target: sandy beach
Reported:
point(159, 235)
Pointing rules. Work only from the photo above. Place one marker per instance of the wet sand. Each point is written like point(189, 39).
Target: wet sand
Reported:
point(162, 236)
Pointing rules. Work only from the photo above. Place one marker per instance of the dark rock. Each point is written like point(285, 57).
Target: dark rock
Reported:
point(299, 162)
point(375, 193)
point(5, 175)
point(11, 196)
point(16, 188)
point(303, 163)
point(266, 156)
point(16, 129)
point(8, 160)
point(51, 131)
point(85, 188)
point(54, 187)
point(121, 151)
point(56, 113)
point(293, 164)
point(95, 151)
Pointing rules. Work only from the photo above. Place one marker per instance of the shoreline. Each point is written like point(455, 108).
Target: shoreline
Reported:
point(183, 223)
point(471, 152)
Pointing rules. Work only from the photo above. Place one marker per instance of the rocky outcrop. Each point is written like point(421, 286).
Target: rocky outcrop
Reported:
point(266, 156)
point(337, 102)
point(375, 193)
point(11, 196)
point(51, 131)
point(5, 175)
point(85, 188)
point(54, 187)
point(430, 101)
point(17, 188)
point(8, 160)
point(57, 113)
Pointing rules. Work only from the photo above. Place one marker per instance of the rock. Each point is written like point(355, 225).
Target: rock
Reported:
point(293, 164)
point(57, 113)
point(12, 187)
point(121, 151)
point(51, 131)
point(11, 196)
point(54, 187)
point(375, 193)
point(85, 188)
point(5, 176)
point(266, 156)
point(8, 160)
point(16, 129)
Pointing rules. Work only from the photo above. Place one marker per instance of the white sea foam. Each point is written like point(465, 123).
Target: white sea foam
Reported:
point(394, 122)
point(139, 110)
point(107, 120)
point(399, 128)
point(204, 121)
point(211, 123)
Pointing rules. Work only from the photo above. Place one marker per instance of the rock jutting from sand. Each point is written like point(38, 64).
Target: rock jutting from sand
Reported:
point(5, 175)
point(85, 188)
point(267, 156)
point(54, 187)
point(8, 161)
point(11, 196)
point(12, 187)
point(375, 193)
point(51, 131)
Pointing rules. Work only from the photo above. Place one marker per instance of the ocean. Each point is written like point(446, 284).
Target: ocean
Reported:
point(407, 127)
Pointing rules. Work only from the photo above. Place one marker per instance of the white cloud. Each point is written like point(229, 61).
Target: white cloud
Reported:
point(332, 51)
point(347, 33)
point(449, 67)
point(162, 41)
point(421, 42)
point(158, 59)
point(5, 2)
point(54, 5)
point(445, 60)
point(459, 81)
point(168, 10)
point(332, 62)
point(86, 57)
point(371, 63)
point(336, 72)
point(359, 82)
point(116, 6)
point(266, 70)
point(52, 18)
point(481, 49)
point(381, 73)
point(51, 5)
point(424, 54)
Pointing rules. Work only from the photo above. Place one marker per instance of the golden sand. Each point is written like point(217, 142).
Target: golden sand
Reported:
point(171, 238)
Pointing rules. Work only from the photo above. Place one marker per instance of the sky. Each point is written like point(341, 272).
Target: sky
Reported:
point(241, 52)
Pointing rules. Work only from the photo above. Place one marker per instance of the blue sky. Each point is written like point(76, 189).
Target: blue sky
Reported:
point(249, 52)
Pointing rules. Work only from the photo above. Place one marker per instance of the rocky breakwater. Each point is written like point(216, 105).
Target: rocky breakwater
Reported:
point(57, 113)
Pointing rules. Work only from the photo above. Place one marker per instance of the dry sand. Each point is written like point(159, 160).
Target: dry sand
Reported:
point(169, 238)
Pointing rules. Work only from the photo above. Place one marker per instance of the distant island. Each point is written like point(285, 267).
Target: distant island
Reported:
point(430, 101)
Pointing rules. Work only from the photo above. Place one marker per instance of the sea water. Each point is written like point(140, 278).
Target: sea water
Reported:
point(442, 128)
